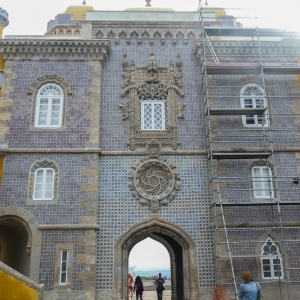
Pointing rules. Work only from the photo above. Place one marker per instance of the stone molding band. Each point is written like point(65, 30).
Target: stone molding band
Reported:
point(54, 49)
point(68, 226)
point(4, 151)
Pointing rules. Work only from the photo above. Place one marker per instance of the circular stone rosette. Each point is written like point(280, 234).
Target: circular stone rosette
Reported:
point(154, 181)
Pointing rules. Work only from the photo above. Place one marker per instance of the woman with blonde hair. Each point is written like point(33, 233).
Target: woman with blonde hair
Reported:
point(249, 289)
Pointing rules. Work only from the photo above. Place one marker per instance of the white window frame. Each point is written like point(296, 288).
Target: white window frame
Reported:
point(265, 182)
point(163, 112)
point(43, 184)
point(253, 97)
point(50, 99)
point(271, 257)
point(61, 272)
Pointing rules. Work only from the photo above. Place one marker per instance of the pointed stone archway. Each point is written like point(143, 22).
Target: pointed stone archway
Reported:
point(181, 247)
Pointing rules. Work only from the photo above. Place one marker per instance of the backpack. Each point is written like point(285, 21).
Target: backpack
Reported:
point(160, 282)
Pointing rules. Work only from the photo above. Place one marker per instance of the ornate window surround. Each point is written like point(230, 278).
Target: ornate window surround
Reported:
point(167, 85)
point(38, 165)
point(34, 89)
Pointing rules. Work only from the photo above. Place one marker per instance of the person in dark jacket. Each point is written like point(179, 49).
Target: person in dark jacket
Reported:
point(159, 282)
point(138, 287)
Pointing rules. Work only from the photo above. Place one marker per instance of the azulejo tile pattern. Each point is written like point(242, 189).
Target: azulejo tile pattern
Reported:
point(114, 130)
point(76, 73)
point(48, 256)
point(118, 211)
point(13, 191)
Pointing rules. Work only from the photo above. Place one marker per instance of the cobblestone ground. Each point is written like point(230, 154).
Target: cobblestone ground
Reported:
point(151, 295)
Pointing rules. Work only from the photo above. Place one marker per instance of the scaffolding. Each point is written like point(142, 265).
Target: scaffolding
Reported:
point(248, 55)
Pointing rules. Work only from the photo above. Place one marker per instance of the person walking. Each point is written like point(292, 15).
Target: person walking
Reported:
point(138, 287)
point(249, 289)
point(159, 282)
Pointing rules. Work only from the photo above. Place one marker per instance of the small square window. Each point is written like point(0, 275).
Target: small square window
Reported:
point(153, 115)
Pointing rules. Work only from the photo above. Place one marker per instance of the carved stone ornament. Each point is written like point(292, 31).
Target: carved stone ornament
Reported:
point(152, 83)
point(53, 78)
point(154, 182)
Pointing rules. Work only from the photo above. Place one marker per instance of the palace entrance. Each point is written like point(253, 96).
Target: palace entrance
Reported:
point(182, 251)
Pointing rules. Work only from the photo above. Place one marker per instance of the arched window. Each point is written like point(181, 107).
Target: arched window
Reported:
point(49, 106)
point(253, 96)
point(271, 260)
point(262, 182)
point(44, 184)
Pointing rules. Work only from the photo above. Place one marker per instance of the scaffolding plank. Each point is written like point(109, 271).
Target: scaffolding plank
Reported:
point(251, 68)
point(233, 68)
point(235, 111)
point(240, 155)
point(248, 32)
point(260, 203)
point(230, 31)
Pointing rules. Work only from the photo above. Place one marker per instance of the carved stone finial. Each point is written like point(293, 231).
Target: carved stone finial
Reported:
point(171, 66)
point(125, 63)
point(153, 148)
point(132, 66)
point(179, 63)
point(152, 63)
point(148, 3)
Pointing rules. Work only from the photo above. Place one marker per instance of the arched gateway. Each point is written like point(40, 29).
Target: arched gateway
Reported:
point(182, 250)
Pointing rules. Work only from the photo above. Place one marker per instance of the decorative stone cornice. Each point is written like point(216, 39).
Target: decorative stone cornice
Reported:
point(48, 150)
point(40, 49)
point(147, 32)
point(68, 226)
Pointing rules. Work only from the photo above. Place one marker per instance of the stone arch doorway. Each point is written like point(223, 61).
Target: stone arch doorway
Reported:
point(13, 244)
point(20, 241)
point(182, 251)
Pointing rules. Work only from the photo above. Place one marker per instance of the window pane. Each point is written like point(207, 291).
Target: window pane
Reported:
point(64, 255)
point(38, 194)
point(248, 103)
point(267, 268)
point(267, 274)
point(158, 117)
point(250, 119)
point(64, 266)
point(266, 261)
point(63, 278)
point(147, 114)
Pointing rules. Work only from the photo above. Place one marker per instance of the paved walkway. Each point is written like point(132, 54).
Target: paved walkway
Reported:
point(151, 295)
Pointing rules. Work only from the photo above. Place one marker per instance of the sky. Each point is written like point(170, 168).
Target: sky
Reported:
point(30, 17)
point(149, 255)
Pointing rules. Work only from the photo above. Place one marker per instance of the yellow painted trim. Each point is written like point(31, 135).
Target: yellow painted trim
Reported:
point(1, 32)
point(12, 289)
point(78, 11)
point(1, 63)
point(217, 10)
point(1, 168)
